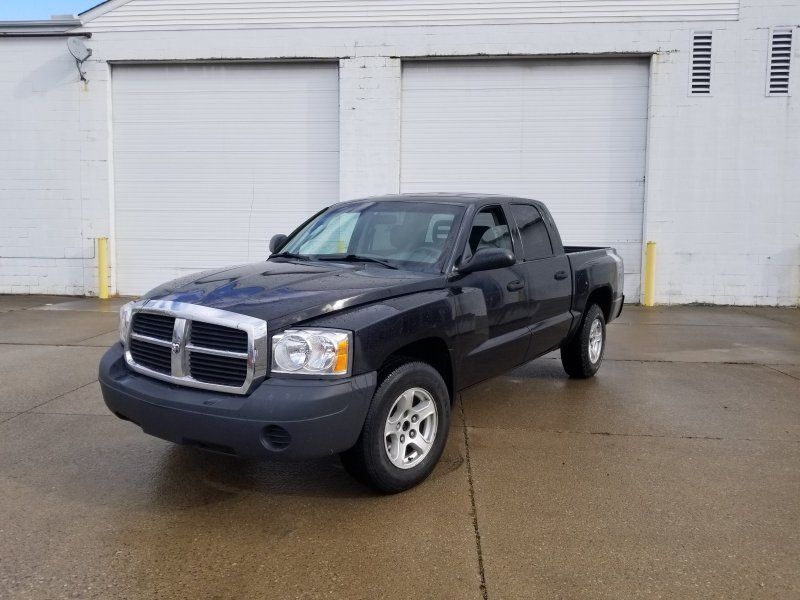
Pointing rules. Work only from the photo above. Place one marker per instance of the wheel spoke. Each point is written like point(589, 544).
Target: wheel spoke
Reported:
point(420, 444)
point(405, 401)
point(423, 410)
point(395, 449)
point(391, 427)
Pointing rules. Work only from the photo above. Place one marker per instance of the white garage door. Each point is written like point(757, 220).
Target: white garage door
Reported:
point(568, 132)
point(211, 160)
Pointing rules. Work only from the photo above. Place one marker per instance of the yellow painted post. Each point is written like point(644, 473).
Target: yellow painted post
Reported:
point(650, 274)
point(102, 266)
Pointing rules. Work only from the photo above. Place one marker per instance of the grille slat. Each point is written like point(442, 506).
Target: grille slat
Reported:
point(153, 325)
point(217, 369)
point(218, 337)
point(152, 356)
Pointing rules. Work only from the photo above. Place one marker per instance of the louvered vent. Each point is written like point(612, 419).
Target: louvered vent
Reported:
point(780, 55)
point(701, 63)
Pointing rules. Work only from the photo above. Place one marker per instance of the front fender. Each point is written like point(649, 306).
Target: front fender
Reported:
point(382, 328)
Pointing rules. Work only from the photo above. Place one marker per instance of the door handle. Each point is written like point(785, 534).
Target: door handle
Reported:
point(561, 275)
point(515, 285)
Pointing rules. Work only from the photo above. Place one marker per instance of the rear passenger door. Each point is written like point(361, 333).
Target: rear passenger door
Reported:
point(548, 278)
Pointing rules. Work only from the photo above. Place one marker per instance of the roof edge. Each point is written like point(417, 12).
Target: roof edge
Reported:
point(100, 9)
point(39, 25)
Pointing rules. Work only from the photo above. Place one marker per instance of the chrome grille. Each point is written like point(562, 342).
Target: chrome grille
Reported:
point(197, 346)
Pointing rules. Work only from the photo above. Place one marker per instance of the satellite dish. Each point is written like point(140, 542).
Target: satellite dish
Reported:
point(80, 52)
point(78, 49)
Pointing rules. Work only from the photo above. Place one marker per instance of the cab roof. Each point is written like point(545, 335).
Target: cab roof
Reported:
point(462, 198)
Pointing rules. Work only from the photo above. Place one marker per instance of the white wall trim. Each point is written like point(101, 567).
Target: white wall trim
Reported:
point(112, 215)
point(654, 65)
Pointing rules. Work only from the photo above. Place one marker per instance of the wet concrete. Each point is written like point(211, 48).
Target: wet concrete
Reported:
point(675, 472)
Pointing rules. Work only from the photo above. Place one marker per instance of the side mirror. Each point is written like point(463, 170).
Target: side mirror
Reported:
point(486, 259)
point(276, 242)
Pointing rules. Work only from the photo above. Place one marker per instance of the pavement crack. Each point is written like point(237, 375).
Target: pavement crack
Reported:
point(91, 337)
point(474, 510)
point(771, 368)
point(33, 408)
point(637, 435)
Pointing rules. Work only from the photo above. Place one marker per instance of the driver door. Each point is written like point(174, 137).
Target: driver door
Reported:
point(495, 301)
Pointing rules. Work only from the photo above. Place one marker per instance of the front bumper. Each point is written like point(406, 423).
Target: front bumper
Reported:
point(291, 419)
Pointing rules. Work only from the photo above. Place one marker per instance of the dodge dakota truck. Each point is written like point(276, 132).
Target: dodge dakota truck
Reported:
point(357, 333)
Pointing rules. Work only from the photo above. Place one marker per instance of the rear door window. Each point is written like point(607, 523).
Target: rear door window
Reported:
point(535, 238)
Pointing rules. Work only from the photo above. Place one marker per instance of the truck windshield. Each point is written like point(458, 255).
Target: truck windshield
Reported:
point(405, 235)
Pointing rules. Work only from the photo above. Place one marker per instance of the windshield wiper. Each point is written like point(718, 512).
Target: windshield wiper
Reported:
point(358, 258)
point(290, 255)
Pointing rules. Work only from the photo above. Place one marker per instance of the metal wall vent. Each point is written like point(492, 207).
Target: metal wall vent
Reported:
point(701, 63)
point(780, 55)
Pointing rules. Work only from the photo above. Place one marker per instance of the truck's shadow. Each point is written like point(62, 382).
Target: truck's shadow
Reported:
point(189, 476)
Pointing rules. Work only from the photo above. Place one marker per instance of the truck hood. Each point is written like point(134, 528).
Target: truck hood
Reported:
point(288, 292)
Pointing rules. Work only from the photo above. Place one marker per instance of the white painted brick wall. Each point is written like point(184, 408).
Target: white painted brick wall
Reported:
point(722, 177)
point(53, 169)
point(41, 242)
point(369, 129)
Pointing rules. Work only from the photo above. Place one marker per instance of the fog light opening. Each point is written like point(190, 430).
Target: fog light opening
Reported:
point(276, 438)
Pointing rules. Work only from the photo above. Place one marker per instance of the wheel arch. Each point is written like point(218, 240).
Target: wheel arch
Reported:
point(430, 350)
point(603, 297)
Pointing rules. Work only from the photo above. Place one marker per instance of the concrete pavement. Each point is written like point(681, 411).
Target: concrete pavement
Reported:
point(675, 472)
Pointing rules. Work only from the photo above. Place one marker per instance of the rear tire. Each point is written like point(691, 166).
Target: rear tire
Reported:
point(405, 430)
point(583, 354)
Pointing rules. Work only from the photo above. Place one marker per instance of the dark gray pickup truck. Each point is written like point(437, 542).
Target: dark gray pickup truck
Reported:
point(356, 334)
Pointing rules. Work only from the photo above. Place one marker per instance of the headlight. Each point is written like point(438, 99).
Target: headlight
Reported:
point(125, 315)
point(312, 352)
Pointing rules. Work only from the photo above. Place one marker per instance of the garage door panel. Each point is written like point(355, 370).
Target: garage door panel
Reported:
point(225, 165)
point(542, 134)
point(486, 165)
point(224, 77)
point(241, 137)
point(579, 107)
point(569, 132)
point(222, 110)
point(151, 196)
point(212, 160)
point(581, 73)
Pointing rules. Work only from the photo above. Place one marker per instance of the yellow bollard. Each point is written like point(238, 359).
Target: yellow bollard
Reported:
point(650, 274)
point(102, 267)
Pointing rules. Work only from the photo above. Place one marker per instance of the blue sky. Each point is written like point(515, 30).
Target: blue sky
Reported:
point(14, 10)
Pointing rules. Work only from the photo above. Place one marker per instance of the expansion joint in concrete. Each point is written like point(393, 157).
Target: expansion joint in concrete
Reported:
point(474, 510)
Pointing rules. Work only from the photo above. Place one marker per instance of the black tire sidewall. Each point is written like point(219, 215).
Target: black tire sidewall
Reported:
point(382, 473)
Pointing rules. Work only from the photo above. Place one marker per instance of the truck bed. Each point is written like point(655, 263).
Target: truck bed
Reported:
point(592, 266)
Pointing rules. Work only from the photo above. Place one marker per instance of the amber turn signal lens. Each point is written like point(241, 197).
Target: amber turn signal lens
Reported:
point(342, 357)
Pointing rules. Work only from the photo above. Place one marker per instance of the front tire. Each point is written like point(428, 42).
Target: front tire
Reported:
point(405, 430)
point(583, 354)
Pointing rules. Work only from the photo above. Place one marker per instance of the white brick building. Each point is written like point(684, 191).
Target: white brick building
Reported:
point(205, 128)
